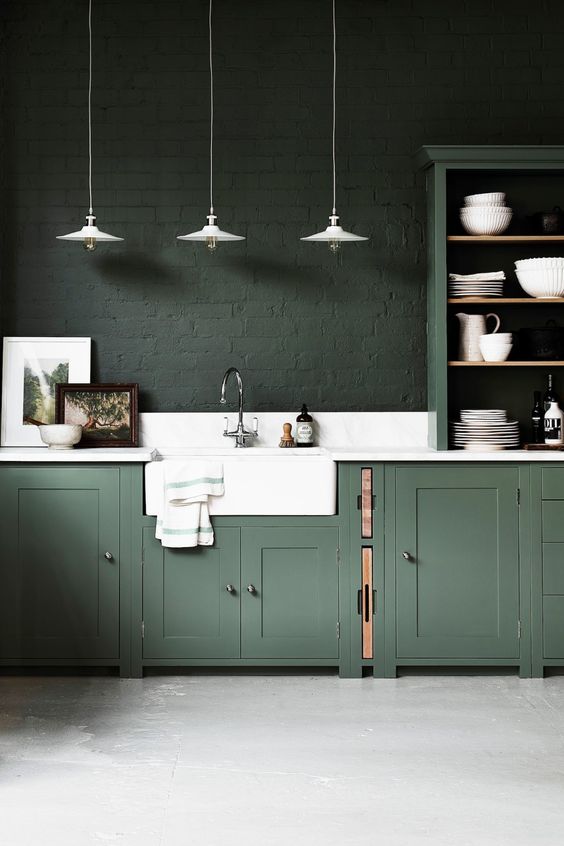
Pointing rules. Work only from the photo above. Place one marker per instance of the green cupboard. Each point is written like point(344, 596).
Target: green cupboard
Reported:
point(60, 564)
point(457, 562)
point(259, 595)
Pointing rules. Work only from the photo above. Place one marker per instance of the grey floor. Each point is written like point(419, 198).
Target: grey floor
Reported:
point(283, 760)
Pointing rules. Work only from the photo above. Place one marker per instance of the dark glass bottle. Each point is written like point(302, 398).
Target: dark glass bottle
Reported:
point(550, 394)
point(537, 419)
point(304, 428)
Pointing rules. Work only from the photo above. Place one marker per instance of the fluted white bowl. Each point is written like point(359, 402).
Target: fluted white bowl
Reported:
point(485, 220)
point(541, 283)
point(539, 263)
point(495, 198)
point(60, 435)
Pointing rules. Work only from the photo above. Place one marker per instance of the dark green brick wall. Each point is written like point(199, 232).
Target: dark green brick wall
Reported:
point(339, 334)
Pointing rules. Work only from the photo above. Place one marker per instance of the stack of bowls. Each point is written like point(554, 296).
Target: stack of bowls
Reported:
point(542, 278)
point(496, 346)
point(485, 214)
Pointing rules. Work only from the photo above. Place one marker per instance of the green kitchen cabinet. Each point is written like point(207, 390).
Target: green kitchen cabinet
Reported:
point(262, 594)
point(59, 564)
point(191, 598)
point(547, 495)
point(289, 593)
point(456, 562)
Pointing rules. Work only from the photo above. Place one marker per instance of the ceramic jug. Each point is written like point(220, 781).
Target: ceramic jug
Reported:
point(471, 327)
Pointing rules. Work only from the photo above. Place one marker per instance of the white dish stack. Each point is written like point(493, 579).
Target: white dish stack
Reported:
point(476, 285)
point(485, 214)
point(485, 429)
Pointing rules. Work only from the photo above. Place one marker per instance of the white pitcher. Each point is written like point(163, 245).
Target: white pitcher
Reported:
point(471, 327)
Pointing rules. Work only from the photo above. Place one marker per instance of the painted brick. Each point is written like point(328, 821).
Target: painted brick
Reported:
point(338, 332)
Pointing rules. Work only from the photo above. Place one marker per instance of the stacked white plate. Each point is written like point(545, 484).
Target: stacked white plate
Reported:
point(487, 428)
point(482, 288)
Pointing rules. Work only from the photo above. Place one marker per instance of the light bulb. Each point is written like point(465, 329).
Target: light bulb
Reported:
point(334, 246)
point(89, 244)
point(211, 243)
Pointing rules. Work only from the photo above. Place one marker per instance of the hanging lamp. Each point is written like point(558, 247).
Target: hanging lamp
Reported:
point(211, 233)
point(89, 234)
point(334, 233)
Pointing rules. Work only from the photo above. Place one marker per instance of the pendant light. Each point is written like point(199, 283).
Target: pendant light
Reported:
point(334, 233)
point(89, 234)
point(211, 233)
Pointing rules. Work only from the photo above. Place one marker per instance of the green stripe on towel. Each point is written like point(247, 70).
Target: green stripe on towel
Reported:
point(207, 479)
point(202, 531)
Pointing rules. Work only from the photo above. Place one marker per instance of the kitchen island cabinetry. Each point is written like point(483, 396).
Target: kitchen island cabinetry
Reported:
point(262, 594)
point(64, 565)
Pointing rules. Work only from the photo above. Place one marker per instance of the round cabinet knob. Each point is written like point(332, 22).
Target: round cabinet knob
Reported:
point(108, 556)
point(406, 555)
point(229, 588)
point(251, 589)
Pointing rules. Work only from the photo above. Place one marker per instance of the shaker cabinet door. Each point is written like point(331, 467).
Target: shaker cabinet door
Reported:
point(188, 610)
point(59, 563)
point(289, 593)
point(457, 562)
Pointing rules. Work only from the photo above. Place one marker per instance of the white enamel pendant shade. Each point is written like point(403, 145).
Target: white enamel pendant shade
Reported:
point(90, 230)
point(90, 235)
point(210, 231)
point(334, 232)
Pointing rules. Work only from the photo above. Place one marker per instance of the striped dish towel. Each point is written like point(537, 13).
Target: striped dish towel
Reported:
point(183, 519)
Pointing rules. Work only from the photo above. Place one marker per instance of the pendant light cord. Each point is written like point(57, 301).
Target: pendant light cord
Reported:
point(334, 108)
point(90, 104)
point(211, 106)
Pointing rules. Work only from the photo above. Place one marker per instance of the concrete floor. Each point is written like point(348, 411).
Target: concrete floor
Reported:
point(281, 761)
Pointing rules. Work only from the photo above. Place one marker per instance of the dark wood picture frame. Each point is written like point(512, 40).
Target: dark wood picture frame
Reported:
point(66, 390)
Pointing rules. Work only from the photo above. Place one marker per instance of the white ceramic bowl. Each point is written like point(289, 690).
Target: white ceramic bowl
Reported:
point(485, 220)
point(60, 435)
point(494, 352)
point(541, 282)
point(540, 263)
point(497, 338)
point(496, 198)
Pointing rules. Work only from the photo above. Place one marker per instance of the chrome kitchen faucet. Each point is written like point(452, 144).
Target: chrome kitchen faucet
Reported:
point(240, 434)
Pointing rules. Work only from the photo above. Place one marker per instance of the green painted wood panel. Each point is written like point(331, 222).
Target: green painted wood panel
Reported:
point(553, 627)
point(553, 568)
point(553, 521)
point(187, 610)
point(458, 592)
point(294, 612)
point(60, 595)
point(552, 481)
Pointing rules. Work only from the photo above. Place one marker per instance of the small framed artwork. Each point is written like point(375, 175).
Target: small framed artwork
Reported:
point(107, 413)
point(31, 370)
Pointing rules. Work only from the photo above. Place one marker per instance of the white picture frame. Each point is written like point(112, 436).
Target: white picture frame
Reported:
point(30, 368)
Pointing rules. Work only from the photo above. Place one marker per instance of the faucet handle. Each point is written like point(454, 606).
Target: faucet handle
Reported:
point(255, 425)
point(225, 425)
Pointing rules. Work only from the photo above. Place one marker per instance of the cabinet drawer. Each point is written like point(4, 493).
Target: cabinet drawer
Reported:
point(553, 568)
point(553, 483)
point(553, 521)
point(553, 626)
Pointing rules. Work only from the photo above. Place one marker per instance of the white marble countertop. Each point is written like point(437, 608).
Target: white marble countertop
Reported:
point(116, 455)
point(386, 453)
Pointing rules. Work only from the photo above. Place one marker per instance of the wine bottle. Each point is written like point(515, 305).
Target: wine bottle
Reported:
point(537, 419)
point(550, 394)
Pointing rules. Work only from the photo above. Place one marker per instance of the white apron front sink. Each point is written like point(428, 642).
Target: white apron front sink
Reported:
point(258, 480)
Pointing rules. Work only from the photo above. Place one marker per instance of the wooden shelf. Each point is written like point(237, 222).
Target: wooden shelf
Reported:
point(506, 363)
point(505, 300)
point(505, 239)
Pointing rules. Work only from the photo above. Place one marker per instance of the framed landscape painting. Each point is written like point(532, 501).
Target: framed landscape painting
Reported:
point(32, 367)
point(107, 413)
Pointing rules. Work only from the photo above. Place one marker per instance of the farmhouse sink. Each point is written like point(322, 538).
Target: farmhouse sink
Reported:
point(258, 480)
